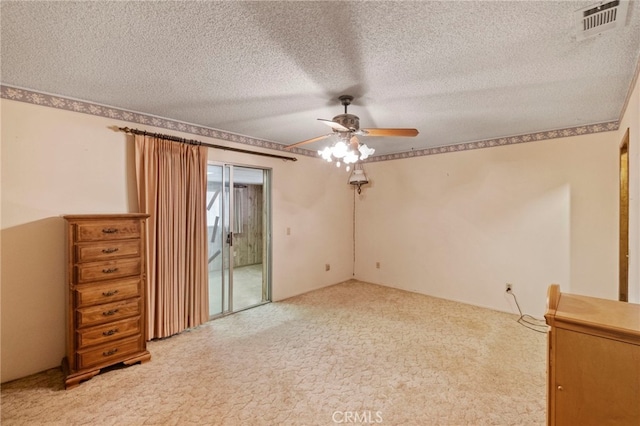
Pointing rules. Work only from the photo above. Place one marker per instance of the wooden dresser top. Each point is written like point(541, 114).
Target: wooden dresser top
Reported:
point(603, 314)
point(106, 216)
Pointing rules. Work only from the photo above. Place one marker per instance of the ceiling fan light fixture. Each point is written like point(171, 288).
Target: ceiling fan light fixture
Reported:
point(351, 157)
point(346, 128)
point(341, 152)
point(340, 149)
point(358, 178)
point(326, 154)
point(365, 151)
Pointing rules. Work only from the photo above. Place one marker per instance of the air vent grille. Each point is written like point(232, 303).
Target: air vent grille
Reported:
point(601, 17)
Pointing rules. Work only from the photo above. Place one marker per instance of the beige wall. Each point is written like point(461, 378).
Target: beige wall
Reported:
point(56, 162)
point(457, 225)
point(461, 225)
point(631, 121)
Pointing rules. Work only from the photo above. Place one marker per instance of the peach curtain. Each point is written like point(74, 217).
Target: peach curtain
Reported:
point(172, 187)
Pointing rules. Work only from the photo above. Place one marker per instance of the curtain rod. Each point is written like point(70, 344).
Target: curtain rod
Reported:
point(195, 142)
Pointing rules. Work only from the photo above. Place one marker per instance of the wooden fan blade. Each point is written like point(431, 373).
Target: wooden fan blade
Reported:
point(307, 141)
point(335, 126)
point(389, 132)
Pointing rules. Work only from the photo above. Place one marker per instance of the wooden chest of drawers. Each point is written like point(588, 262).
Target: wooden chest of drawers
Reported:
point(593, 360)
point(106, 294)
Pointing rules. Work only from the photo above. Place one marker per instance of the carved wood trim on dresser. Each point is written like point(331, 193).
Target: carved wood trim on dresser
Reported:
point(106, 302)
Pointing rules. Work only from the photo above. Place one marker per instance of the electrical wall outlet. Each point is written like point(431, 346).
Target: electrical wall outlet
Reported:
point(508, 287)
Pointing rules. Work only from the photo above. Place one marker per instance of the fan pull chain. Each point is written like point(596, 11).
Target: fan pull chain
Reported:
point(354, 233)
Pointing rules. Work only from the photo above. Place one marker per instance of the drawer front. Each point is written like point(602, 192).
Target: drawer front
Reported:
point(108, 332)
point(108, 312)
point(98, 271)
point(99, 293)
point(108, 230)
point(109, 353)
point(106, 250)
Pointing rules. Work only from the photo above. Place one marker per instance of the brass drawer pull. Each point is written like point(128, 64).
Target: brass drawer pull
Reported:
point(110, 250)
point(111, 312)
point(110, 230)
point(110, 270)
point(110, 352)
point(110, 332)
point(109, 293)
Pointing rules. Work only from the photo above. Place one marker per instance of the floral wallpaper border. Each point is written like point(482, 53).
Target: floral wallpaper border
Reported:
point(60, 102)
point(510, 140)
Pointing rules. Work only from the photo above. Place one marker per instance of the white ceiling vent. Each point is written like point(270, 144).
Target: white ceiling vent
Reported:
point(600, 17)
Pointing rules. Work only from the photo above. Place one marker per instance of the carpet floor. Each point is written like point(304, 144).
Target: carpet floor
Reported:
point(349, 353)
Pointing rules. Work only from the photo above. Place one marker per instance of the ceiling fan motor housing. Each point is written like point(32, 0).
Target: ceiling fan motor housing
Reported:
point(347, 126)
point(350, 121)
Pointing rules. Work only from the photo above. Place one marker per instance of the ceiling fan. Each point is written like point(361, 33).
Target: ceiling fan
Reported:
point(347, 127)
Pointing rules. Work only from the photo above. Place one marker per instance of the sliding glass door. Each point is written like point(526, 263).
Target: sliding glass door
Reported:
point(238, 227)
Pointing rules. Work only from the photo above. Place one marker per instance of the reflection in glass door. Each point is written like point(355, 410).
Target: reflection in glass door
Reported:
point(238, 234)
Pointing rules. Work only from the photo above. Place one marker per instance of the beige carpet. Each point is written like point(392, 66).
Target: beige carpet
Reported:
point(350, 353)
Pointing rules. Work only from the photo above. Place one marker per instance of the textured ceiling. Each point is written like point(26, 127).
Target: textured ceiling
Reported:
point(456, 71)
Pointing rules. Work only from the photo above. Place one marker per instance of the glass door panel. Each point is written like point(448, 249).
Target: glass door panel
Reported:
point(238, 227)
point(248, 237)
point(216, 235)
